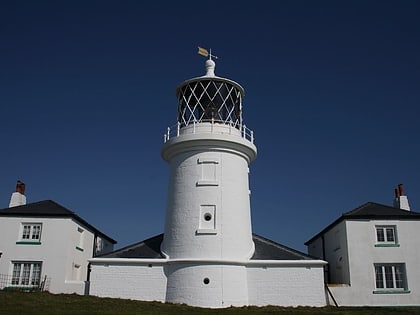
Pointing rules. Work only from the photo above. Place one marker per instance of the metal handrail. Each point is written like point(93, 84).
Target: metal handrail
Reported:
point(174, 131)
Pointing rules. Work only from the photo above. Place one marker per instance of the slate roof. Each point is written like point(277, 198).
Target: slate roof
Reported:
point(371, 211)
point(265, 249)
point(49, 209)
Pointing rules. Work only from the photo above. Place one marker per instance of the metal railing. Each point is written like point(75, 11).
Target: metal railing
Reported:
point(175, 130)
point(8, 282)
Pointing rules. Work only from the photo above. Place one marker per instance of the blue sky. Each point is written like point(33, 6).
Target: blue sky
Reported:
point(87, 89)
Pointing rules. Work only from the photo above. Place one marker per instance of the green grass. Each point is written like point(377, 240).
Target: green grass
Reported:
point(21, 303)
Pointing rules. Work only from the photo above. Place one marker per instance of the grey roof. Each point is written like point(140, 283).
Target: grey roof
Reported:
point(371, 211)
point(265, 249)
point(49, 209)
point(149, 248)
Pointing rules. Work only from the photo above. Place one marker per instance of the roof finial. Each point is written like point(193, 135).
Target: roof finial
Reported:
point(210, 64)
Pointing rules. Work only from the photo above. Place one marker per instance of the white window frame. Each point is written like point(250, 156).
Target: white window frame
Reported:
point(384, 229)
point(31, 232)
point(26, 273)
point(390, 277)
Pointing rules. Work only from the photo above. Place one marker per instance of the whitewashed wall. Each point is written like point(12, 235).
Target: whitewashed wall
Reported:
point(363, 254)
point(61, 251)
point(287, 285)
point(133, 279)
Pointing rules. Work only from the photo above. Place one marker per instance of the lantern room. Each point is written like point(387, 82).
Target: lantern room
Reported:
point(210, 99)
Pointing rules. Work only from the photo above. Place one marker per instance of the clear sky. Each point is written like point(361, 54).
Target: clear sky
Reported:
point(332, 92)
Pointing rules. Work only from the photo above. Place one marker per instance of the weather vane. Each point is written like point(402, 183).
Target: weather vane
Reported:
point(204, 52)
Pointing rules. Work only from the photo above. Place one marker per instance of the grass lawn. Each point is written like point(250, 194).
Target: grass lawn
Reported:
point(21, 303)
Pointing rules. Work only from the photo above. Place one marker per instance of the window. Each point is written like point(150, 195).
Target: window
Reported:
point(26, 273)
point(390, 277)
point(208, 172)
point(31, 232)
point(386, 234)
point(207, 220)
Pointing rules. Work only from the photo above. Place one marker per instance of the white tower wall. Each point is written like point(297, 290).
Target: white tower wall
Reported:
point(208, 212)
point(207, 284)
point(208, 236)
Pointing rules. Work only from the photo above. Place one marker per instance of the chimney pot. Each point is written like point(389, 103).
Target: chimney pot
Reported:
point(18, 198)
point(401, 190)
point(401, 200)
point(20, 187)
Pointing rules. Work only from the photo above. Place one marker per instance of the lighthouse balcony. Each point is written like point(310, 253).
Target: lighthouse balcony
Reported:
point(210, 127)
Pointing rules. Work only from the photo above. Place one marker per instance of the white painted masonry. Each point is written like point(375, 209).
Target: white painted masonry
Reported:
point(286, 283)
point(207, 255)
point(137, 279)
point(352, 250)
point(17, 199)
point(63, 249)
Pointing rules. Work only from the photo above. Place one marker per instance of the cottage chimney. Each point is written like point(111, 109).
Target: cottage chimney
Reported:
point(401, 200)
point(18, 197)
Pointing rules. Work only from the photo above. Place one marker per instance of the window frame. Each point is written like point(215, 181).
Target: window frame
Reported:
point(383, 238)
point(30, 232)
point(26, 274)
point(390, 278)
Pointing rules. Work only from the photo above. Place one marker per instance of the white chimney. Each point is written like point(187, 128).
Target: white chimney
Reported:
point(18, 197)
point(401, 200)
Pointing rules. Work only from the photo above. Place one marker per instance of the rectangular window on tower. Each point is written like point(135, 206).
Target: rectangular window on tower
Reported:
point(386, 236)
point(209, 169)
point(207, 220)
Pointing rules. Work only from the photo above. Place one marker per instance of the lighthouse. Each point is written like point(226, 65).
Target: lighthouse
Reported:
point(208, 216)
point(207, 255)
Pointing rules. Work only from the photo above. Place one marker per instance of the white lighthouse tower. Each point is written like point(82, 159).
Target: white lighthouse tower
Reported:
point(208, 222)
point(208, 255)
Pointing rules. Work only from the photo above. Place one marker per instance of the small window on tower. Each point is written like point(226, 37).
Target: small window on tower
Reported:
point(209, 169)
point(207, 221)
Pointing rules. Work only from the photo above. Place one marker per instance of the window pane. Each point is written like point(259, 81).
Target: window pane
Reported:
point(399, 276)
point(379, 277)
point(36, 232)
point(36, 274)
point(26, 232)
point(389, 282)
point(380, 234)
point(390, 235)
point(16, 274)
point(25, 274)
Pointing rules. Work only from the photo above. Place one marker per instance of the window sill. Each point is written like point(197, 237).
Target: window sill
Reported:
point(208, 183)
point(79, 248)
point(387, 245)
point(28, 243)
point(391, 291)
point(206, 231)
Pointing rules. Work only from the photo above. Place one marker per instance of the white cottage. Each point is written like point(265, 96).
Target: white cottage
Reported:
point(44, 245)
point(207, 255)
point(372, 254)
